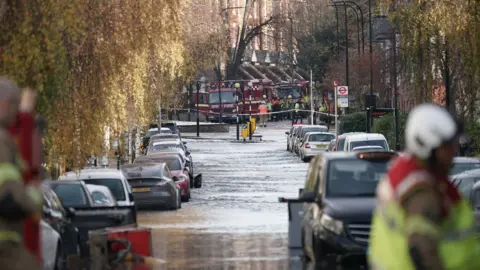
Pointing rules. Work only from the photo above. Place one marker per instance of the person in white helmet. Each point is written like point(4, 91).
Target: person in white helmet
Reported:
point(421, 220)
point(263, 114)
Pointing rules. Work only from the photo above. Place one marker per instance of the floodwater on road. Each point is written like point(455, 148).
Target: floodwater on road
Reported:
point(235, 220)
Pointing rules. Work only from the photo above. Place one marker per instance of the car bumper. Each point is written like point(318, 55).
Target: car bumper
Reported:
point(343, 246)
point(184, 187)
point(313, 151)
point(157, 198)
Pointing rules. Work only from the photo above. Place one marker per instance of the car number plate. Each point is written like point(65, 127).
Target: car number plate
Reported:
point(321, 145)
point(146, 189)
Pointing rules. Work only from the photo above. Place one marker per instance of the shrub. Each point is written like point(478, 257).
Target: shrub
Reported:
point(355, 122)
point(386, 126)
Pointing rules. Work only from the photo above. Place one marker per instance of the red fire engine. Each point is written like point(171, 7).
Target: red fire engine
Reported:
point(223, 98)
point(202, 104)
point(297, 90)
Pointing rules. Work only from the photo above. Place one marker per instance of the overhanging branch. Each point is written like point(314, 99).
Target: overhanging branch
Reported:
point(255, 31)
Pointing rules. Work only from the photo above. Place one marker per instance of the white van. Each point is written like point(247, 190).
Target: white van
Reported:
point(365, 139)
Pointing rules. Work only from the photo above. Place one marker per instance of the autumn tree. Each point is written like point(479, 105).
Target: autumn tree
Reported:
point(95, 65)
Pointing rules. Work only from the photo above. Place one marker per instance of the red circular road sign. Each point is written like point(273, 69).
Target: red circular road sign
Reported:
point(342, 90)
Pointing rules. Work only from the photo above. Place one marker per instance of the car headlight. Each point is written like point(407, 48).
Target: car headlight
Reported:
point(331, 224)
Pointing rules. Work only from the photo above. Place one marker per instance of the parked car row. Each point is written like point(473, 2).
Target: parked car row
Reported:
point(306, 141)
point(96, 198)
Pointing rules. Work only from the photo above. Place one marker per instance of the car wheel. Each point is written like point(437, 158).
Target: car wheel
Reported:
point(58, 257)
point(288, 147)
point(323, 260)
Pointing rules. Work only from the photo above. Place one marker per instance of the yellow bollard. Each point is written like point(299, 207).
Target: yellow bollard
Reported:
point(253, 120)
point(245, 130)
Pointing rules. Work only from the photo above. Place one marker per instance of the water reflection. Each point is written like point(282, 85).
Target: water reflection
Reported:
point(192, 250)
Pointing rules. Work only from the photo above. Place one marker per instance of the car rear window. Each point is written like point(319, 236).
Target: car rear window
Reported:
point(321, 137)
point(354, 177)
point(165, 146)
point(381, 143)
point(173, 164)
point(150, 133)
point(115, 186)
point(463, 166)
point(314, 129)
point(71, 195)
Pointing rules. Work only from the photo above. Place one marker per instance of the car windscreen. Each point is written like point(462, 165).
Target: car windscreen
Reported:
point(71, 195)
point(463, 166)
point(381, 143)
point(171, 126)
point(321, 137)
point(150, 133)
point(165, 146)
point(100, 198)
point(354, 177)
point(115, 186)
point(165, 131)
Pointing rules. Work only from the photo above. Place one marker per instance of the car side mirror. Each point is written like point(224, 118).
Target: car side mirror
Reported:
point(70, 212)
point(308, 196)
point(175, 179)
point(130, 197)
point(287, 133)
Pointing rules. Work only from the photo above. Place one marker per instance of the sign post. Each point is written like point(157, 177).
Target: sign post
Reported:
point(336, 111)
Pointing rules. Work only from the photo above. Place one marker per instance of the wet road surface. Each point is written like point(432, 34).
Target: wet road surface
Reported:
point(234, 221)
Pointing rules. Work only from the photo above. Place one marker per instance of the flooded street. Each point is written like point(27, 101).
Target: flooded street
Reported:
point(235, 220)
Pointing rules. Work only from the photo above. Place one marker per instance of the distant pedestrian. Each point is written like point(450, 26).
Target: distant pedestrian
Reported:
point(263, 114)
point(464, 148)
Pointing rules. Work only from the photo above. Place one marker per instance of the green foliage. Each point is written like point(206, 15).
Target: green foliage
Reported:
point(355, 122)
point(317, 49)
point(386, 126)
point(472, 128)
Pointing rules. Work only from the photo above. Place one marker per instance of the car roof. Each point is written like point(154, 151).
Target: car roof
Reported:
point(93, 174)
point(64, 182)
point(98, 187)
point(467, 174)
point(348, 155)
point(176, 141)
point(366, 136)
point(466, 160)
point(164, 136)
point(350, 133)
point(147, 170)
point(318, 132)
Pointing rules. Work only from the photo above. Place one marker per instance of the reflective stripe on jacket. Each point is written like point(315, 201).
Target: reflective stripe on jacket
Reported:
point(263, 109)
point(392, 226)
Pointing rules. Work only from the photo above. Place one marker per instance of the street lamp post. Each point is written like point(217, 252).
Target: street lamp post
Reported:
point(237, 85)
point(198, 117)
point(250, 88)
point(220, 100)
point(370, 45)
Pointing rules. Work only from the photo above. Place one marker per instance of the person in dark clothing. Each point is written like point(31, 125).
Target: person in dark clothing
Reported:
point(464, 149)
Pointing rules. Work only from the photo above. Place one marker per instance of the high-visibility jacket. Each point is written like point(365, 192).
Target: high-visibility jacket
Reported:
point(263, 109)
point(297, 107)
point(391, 227)
point(323, 108)
point(269, 106)
point(306, 99)
point(26, 199)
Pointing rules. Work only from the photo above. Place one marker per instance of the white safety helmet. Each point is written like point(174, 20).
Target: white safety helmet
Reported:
point(428, 127)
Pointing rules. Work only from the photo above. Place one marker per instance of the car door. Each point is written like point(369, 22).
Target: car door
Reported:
point(311, 210)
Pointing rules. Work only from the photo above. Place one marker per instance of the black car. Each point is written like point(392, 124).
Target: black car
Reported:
point(339, 197)
point(86, 216)
point(60, 220)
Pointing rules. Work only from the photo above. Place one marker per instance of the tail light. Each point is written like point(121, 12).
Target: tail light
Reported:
point(307, 145)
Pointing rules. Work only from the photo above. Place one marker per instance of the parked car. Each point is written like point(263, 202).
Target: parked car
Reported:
point(339, 199)
point(365, 139)
point(314, 143)
point(304, 130)
point(85, 215)
point(475, 200)
point(56, 250)
point(331, 145)
point(154, 185)
point(368, 148)
point(341, 140)
point(462, 164)
point(51, 247)
point(113, 179)
point(177, 168)
point(290, 136)
point(163, 137)
point(101, 195)
point(464, 181)
point(173, 127)
point(146, 138)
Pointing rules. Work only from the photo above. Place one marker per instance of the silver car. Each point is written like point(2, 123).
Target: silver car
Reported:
point(302, 131)
point(153, 185)
point(314, 143)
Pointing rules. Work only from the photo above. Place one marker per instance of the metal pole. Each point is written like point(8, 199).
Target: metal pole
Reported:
point(338, 31)
point(371, 45)
point(220, 99)
point(346, 49)
point(395, 94)
point(336, 111)
point(198, 118)
point(188, 100)
point(250, 120)
point(358, 24)
point(238, 120)
point(448, 100)
point(361, 22)
point(311, 97)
